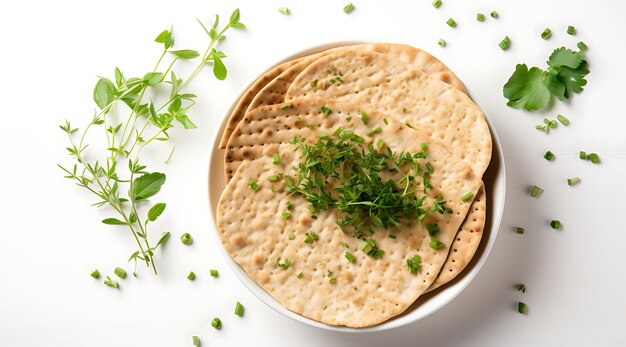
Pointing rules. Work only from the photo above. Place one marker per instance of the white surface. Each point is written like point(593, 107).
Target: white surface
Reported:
point(51, 237)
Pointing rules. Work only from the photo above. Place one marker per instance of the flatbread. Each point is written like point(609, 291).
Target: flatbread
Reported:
point(368, 291)
point(271, 87)
point(384, 84)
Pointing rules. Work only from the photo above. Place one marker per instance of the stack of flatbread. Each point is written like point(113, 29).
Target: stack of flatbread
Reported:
point(410, 98)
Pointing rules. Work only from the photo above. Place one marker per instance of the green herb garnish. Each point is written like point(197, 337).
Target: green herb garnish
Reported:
point(111, 283)
point(582, 155)
point(572, 181)
point(325, 110)
point(441, 43)
point(216, 323)
point(348, 8)
point(368, 247)
point(436, 3)
point(350, 257)
point(310, 237)
point(239, 309)
point(467, 196)
point(521, 288)
point(119, 272)
point(414, 264)
point(300, 275)
point(191, 276)
point(546, 33)
point(95, 274)
point(562, 119)
point(533, 88)
point(549, 156)
point(535, 191)
point(505, 43)
point(186, 239)
point(451, 23)
point(582, 46)
point(594, 158)
point(571, 30)
point(363, 117)
point(480, 17)
point(253, 185)
point(522, 308)
point(214, 273)
point(519, 230)
point(494, 14)
point(555, 224)
point(436, 244)
point(284, 10)
point(196, 341)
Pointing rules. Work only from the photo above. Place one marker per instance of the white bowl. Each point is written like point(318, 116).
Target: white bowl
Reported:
point(495, 184)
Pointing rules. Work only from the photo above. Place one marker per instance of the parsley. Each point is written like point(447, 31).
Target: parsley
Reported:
point(436, 244)
point(253, 185)
point(325, 110)
point(350, 257)
point(368, 247)
point(532, 89)
point(310, 237)
point(285, 265)
point(414, 264)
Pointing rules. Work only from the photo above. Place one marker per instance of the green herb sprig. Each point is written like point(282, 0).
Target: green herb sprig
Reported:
point(131, 120)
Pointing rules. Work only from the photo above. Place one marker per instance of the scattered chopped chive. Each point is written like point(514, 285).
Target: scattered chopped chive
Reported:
point(403, 109)
point(363, 117)
point(214, 273)
point(571, 30)
point(111, 283)
point(329, 71)
point(275, 177)
point(186, 239)
point(374, 131)
point(555, 224)
point(562, 119)
point(451, 23)
point(314, 83)
point(594, 158)
point(196, 341)
point(286, 215)
point(368, 246)
point(441, 43)
point(385, 121)
point(494, 14)
point(345, 245)
point(546, 33)
point(521, 288)
point(380, 143)
point(436, 244)
point(119, 272)
point(432, 229)
point(191, 276)
point(325, 110)
point(522, 308)
point(543, 128)
point(284, 10)
point(284, 106)
point(519, 230)
point(253, 185)
point(436, 3)
point(350, 257)
point(276, 158)
point(95, 274)
point(572, 181)
point(505, 43)
point(348, 8)
point(413, 264)
point(549, 155)
point(550, 123)
point(582, 155)
point(480, 17)
point(392, 236)
point(216, 323)
point(310, 237)
point(289, 205)
point(239, 309)
point(332, 280)
point(467, 196)
point(582, 46)
point(429, 167)
point(535, 191)
point(300, 275)
point(292, 236)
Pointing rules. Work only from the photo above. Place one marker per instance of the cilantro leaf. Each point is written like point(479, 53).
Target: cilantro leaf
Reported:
point(573, 79)
point(565, 57)
point(526, 88)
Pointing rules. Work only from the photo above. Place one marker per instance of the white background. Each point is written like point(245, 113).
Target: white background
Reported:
point(50, 238)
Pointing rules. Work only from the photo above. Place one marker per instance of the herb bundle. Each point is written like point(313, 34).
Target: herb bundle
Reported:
point(131, 120)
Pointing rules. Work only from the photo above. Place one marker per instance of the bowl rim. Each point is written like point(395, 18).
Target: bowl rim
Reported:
point(402, 319)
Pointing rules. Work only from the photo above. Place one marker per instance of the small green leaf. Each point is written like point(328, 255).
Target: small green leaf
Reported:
point(162, 239)
point(234, 17)
point(155, 211)
point(162, 37)
point(119, 78)
point(147, 185)
point(152, 78)
point(186, 53)
point(219, 69)
point(527, 89)
point(238, 25)
point(113, 221)
point(104, 92)
point(185, 121)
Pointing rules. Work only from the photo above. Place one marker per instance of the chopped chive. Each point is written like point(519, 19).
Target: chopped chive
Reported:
point(521, 288)
point(413, 264)
point(119, 272)
point(543, 128)
point(466, 196)
point(111, 283)
point(276, 158)
point(195, 340)
point(374, 131)
point(214, 273)
point(555, 224)
point(522, 308)
point(494, 14)
point(505, 43)
point(186, 239)
point(284, 10)
point(582, 155)
point(286, 215)
point(594, 158)
point(325, 110)
point(572, 181)
point(191, 276)
point(550, 123)
point(404, 108)
point(275, 177)
point(310, 237)
point(535, 191)
point(350, 257)
point(546, 33)
point(392, 236)
point(253, 185)
point(289, 205)
point(385, 121)
point(549, 155)
point(380, 143)
point(348, 8)
point(292, 236)
point(436, 3)
point(432, 229)
point(216, 323)
point(562, 119)
point(314, 83)
point(300, 275)
point(284, 106)
point(436, 244)
point(441, 43)
point(239, 309)
point(363, 117)
point(519, 230)
point(480, 17)
point(451, 23)
point(571, 30)
point(332, 280)
point(345, 245)
point(582, 46)
point(95, 274)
